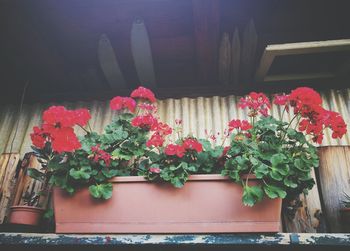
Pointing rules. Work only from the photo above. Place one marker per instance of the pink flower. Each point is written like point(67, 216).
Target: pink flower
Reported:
point(154, 170)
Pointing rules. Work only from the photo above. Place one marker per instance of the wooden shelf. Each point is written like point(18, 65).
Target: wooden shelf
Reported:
point(279, 239)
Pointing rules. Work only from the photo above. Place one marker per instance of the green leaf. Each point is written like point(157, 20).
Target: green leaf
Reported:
point(289, 183)
point(36, 174)
point(177, 182)
point(109, 173)
point(277, 159)
point(191, 168)
point(299, 164)
point(83, 173)
point(101, 191)
point(275, 174)
point(206, 144)
point(274, 192)
point(252, 195)
point(216, 152)
point(120, 154)
point(261, 170)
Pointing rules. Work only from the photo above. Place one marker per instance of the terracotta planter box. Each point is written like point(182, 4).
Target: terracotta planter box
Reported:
point(206, 204)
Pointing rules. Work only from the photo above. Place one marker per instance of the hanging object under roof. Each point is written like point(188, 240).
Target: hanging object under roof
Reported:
point(142, 54)
point(109, 64)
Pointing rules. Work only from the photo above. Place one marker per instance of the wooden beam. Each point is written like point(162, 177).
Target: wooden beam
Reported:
point(264, 66)
point(206, 18)
point(309, 47)
point(275, 50)
point(286, 77)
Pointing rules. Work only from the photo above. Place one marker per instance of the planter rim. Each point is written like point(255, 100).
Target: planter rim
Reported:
point(26, 208)
point(345, 209)
point(195, 177)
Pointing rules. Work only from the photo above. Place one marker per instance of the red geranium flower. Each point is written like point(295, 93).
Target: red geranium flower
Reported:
point(118, 103)
point(81, 116)
point(64, 139)
point(192, 144)
point(244, 125)
point(156, 140)
point(99, 154)
point(59, 116)
point(257, 103)
point(148, 107)
point(143, 93)
point(144, 121)
point(173, 149)
point(304, 98)
point(38, 137)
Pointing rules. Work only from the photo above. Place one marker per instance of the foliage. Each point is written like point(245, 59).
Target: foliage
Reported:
point(136, 142)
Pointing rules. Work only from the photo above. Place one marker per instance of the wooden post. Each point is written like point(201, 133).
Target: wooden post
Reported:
point(334, 175)
point(309, 217)
point(8, 165)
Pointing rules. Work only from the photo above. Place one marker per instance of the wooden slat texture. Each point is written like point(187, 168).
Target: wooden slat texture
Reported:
point(334, 175)
point(225, 59)
point(8, 167)
point(26, 184)
point(206, 16)
point(235, 57)
point(249, 44)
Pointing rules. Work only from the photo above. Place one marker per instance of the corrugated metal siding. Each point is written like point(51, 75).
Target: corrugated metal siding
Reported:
point(197, 114)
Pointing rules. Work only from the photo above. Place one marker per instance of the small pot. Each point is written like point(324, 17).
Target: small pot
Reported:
point(345, 219)
point(25, 215)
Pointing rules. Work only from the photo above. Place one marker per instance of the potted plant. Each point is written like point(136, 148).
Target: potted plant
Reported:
point(345, 213)
point(29, 213)
point(33, 203)
point(127, 178)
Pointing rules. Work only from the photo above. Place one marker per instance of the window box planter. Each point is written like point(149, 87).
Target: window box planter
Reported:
point(206, 204)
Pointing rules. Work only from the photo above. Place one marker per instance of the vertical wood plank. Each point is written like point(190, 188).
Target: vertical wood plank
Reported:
point(8, 183)
point(224, 59)
point(249, 44)
point(308, 217)
point(334, 179)
point(235, 57)
point(206, 16)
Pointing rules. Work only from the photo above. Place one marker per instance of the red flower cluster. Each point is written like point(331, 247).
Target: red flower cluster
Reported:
point(282, 100)
point(144, 121)
point(243, 125)
point(307, 103)
point(118, 103)
point(161, 130)
point(99, 154)
point(148, 107)
point(257, 103)
point(144, 93)
point(192, 144)
point(58, 128)
point(173, 149)
point(188, 144)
